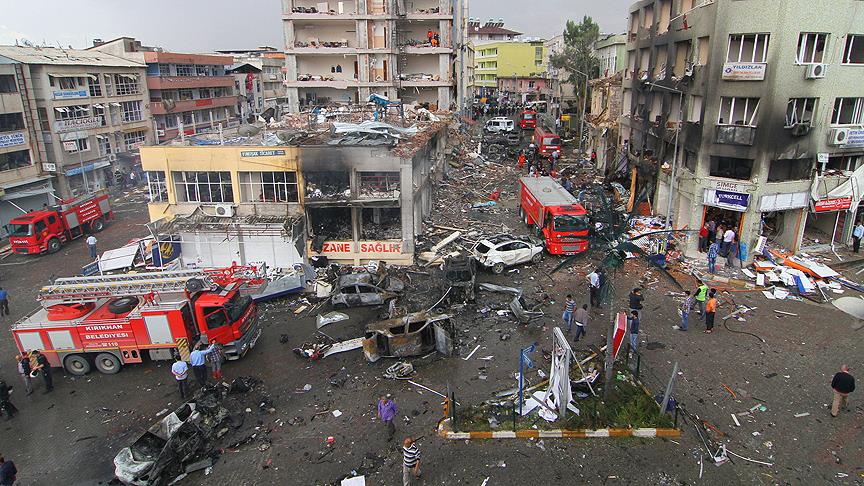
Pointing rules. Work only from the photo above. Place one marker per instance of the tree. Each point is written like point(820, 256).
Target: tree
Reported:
point(578, 53)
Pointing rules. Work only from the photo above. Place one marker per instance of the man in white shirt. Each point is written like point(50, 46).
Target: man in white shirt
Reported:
point(728, 243)
point(594, 287)
point(857, 234)
point(180, 370)
point(91, 244)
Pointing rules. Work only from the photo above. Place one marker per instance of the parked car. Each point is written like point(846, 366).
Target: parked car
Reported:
point(500, 124)
point(501, 251)
point(359, 289)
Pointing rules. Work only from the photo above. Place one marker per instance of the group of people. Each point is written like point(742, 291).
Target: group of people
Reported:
point(719, 239)
point(28, 365)
point(705, 299)
point(538, 164)
point(199, 360)
point(386, 413)
point(500, 109)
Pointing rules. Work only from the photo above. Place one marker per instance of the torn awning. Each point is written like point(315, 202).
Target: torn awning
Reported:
point(852, 186)
point(72, 75)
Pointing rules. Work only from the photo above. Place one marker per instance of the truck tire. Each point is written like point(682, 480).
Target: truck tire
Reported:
point(53, 245)
point(122, 305)
point(77, 364)
point(97, 225)
point(107, 363)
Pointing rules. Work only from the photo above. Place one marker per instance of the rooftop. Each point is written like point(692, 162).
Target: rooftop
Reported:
point(64, 57)
point(488, 30)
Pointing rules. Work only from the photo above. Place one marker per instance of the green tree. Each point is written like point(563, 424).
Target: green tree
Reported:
point(578, 53)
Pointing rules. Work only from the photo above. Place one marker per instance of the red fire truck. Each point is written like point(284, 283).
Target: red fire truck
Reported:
point(555, 215)
point(546, 141)
point(528, 120)
point(47, 230)
point(108, 321)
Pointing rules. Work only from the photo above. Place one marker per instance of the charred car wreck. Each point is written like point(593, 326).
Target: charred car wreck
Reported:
point(412, 335)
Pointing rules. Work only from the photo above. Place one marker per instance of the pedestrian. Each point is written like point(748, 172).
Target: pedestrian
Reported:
point(843, 384)
point(198, 360)
point(593, 157)
point(91, 244)
point(429, 36)
point(701, 294)
point(45, 367)
point(410, 461)
point(712, 257)
point(180, 370)
point(133, 179)
point(712, 231)
point(387, 411)
point(594, 287)
point(4, 302)
point(686, 307)
point(24, 371)
point(580, 317)
point(710, 310)
point(857, 234)
point(569, 307)
point(634, 330)
point(5, 405)
point(703, 238)
point(636, 299)
point(8, 472)
point(216, 358)
point(731, 247)
point(521, 161)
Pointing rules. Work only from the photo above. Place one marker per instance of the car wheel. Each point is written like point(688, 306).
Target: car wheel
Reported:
point(97, 225)
point(54, 245)
point(107, 363)
point(537, 258)
point(498, 268)
point(77, 364)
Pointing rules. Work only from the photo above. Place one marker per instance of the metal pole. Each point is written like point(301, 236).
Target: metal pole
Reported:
point(521, 361)
point(674, 163)
point(81, 163)
point(610, 356)
point(669, 389)
point(582, 120)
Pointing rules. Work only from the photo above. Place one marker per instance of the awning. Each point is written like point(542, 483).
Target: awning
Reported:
point(131, 77)
point(60, 109)
point(115, 104)
point(87, 167)
point(852, 186)
point(72, 75)
point(99, 105)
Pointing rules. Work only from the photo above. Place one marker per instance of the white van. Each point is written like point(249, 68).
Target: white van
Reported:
point(500, 124)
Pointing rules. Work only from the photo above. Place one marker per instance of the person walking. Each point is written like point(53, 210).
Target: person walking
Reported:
point(387, 411)
point(410, 461)
point(4, 302)
point(594, 287)
point(8, 472)
point(91, 245)
point(731, 247)
point(843, 384)
point(634, 330)
point(701, 294)
point(180, 370)
point(857, 234)
point(24, 371)
point(5, 405)
point(580, 317)
point(567, 316)
point(636, 299)
point(44, 366)
point(685, 308)
point(198, 360)
point(713, 250)
point(710, 310)
point(703, 238)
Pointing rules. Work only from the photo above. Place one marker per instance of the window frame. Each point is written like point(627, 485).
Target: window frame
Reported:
point(803, 111)
point(750, 120)
point(157, 186)
point(766, 37)
point(802, 48)
point(847, 49)
point(131, 138)
point(130, 111)
point(857, 112)
point(284, 191)
point(126, 84)
point(189, 185)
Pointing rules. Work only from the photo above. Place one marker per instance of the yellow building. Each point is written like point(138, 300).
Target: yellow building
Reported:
point(514, 59)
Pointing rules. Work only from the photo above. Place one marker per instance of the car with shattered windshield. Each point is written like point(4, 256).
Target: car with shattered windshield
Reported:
point(501, 251)
point(361, 289)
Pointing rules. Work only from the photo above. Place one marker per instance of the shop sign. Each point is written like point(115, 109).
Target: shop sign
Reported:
point(728, 186)
point(86, 123)
point(261, 153)
point(855, 138)
point(744, 71)
point(734, 201)
point(49, 167)
point(11, 139)
point(834, 204)
point(69, 94)
point(347, 247)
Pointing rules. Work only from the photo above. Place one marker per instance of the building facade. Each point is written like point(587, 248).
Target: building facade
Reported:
point(92, 111)
point(513, 60)
point(602, 121)
point(258, 82)
point(752, 94)
point(402, 50)
point(611, 52)
point(523, 90)
point(491, 31)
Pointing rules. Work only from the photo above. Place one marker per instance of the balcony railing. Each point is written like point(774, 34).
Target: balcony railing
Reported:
point(735, 134)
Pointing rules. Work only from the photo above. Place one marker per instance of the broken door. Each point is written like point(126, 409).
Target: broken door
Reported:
point(443, 341)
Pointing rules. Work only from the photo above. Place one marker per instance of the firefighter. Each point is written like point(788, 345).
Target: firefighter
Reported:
point(45, 367)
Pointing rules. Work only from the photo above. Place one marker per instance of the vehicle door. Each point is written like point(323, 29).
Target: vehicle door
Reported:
point(216, 324)
point(521, 252)
point(351, 295)
point(369, 295)
point(506, 253)
point(443, 338)
point(40, 231)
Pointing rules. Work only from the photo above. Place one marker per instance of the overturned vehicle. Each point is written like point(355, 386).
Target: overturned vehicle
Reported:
point(412, 335)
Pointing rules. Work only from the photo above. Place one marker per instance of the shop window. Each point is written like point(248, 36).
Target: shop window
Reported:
point(811, 48)
point(747, 48)
point(324, 185)
point(15, 160)
point(330, 223)
point(157, 186)
point(848, 111)
point(203, 187)
point(379, 184)
point(381, 224)
point(789, 170)
point(853, 50)
point(731, 168)
point(273, 187)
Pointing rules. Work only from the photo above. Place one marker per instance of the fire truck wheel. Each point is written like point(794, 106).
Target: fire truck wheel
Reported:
point(77, 364)
point(122, 305)
point(498, 268)
point(53, 245)
point(107, 363)
point(97, 225)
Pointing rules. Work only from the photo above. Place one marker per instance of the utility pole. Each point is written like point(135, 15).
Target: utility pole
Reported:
point(584, 109)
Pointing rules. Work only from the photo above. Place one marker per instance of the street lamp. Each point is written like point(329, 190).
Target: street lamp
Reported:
point(675, 151)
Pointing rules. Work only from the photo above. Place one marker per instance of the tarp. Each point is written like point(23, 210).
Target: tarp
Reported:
point(852, 186)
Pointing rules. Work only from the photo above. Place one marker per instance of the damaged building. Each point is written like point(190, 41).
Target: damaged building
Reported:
point(603, 120)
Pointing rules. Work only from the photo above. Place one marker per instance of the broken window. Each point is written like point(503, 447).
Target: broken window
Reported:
point(203, 187)
point(379, 185)
point(694, 114)
point(381, 224)
point(789, 170)
point(685, 6)
point(811, 48)
point(7, 83)
point(848, 111)
point(844, 162)
point(330, 223)
point(731, 167)
point(747, 48)
point(11, 121)
point(682, 57)
point(327, 185)
point(738, 111)
point(665, 16)
point(648, 17)
point(853, 51)
point(274, 187)
point(15, 160)
point(702, 50)
point(157, 186)
point(799, 111)
point(660, 63)
point(690, 160)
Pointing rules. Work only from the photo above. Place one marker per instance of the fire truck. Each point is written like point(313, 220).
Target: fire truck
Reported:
point(555, 214)
point(47, 230)
point(108, 321)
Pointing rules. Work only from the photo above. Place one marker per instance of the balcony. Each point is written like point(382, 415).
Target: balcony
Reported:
point(166, 107)
point(735, 134)
point(181, 82)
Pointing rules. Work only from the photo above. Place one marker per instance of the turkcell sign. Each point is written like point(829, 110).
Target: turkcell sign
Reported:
point(731, 200)
point(11, 139)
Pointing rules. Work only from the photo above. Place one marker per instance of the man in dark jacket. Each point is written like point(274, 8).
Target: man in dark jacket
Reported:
point(843, 384)
point(636, 299)
point(5, 405)
point(7, 472)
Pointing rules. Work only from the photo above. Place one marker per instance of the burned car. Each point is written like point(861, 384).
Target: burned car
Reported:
point(460, 272)
point(358, 289)
point(501, 251)
point(414, 334)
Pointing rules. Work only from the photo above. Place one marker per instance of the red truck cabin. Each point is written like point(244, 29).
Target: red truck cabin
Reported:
point(46, 230)
point(528, 120)
point(546, 141)
point(555, 214)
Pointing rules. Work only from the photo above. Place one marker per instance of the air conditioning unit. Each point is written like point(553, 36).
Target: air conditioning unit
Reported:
point(838, 136)
point(816, 71)
point(224, 210)
point(160, 132)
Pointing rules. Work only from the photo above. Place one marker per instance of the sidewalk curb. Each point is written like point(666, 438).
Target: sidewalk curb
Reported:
point(445, 432)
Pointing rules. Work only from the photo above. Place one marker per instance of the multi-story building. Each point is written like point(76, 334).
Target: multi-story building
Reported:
point(751, 94)
point(24, 185)
point(188, 92)
point(258, 81)
point(514, 60)
point(491, 31)
point(602, 120)
point(343, 51)
point(611, 52)
point(89, 106)
point(525, 89)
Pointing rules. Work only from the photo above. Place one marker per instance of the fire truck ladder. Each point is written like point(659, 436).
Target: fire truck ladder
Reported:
point(89, 289)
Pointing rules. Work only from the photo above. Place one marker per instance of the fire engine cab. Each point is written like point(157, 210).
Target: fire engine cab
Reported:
point(109, 321)
point(555, 215)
